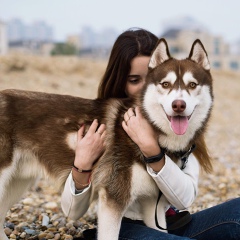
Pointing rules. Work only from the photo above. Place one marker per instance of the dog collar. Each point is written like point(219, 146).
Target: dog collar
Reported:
point(156, 158)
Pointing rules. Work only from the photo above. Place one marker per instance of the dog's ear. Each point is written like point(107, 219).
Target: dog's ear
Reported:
point(199, 55)
point(160, 54)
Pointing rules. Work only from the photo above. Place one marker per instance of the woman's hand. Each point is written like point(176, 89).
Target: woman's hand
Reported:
point(141, 132)
point(91, 146)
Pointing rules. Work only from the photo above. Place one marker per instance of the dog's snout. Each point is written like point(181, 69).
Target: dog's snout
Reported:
point(178, 106)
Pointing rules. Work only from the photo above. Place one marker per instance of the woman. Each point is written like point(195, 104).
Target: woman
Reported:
point(124, 77)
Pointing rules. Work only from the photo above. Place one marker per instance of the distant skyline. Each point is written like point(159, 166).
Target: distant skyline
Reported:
point(67, 17)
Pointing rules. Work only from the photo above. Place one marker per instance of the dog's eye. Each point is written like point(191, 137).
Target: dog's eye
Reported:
point(192, 85)
point(165, 84)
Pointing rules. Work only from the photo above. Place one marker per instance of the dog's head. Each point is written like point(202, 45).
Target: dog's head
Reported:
point(178, 96)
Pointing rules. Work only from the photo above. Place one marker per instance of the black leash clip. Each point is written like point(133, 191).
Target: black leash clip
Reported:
point(185, 156)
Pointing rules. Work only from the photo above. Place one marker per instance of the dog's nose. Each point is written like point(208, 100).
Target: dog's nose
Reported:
point(178, 106)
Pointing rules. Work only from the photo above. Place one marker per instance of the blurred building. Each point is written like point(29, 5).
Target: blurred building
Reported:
point(97, 44)
point(38, 31)
point(32, 38)
point(181, 36)
point(3, 38)
point(235, 47)
point(75, 41)
point(16, 30)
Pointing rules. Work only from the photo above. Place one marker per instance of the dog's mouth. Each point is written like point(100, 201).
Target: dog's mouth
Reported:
point(179, 124)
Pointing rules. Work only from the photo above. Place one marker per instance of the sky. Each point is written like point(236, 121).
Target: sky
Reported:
point(67, 17)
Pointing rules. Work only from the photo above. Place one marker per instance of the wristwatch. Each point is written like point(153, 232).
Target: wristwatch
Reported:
point(156, 158)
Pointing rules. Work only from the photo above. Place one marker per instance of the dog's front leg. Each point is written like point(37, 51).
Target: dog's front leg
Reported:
point(109, 217)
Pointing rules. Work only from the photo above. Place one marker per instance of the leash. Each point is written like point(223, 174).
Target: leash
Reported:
point(181, 218)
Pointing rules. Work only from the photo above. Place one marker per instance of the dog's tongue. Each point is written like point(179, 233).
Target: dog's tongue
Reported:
point(179, 124)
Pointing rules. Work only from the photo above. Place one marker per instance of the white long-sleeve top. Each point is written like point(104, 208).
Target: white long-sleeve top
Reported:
point(180, 188)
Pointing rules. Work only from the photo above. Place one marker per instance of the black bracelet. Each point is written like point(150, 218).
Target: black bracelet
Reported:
point(156, 158)
point(81, 170)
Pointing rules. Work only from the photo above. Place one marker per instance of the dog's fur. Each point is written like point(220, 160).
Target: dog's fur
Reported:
point(38, 136)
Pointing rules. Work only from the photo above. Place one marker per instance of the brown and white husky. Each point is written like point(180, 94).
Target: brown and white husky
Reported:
point(38, 133)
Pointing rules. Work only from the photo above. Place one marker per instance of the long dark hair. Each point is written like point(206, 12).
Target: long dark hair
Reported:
point(131, 43)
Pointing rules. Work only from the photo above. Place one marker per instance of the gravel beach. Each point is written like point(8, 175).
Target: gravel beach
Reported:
point(38, 214)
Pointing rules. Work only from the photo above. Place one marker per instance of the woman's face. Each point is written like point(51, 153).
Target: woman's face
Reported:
point(137, 76)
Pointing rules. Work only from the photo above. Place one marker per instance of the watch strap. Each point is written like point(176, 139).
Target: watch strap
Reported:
point(156, 158)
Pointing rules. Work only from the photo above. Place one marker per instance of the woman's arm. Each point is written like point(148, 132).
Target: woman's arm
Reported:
point(89, 148)
point(178, 186)
point(76, 193)
point(74, 205)
point(142, 133)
